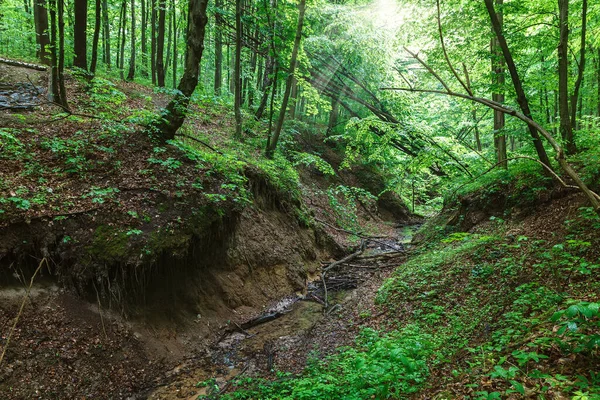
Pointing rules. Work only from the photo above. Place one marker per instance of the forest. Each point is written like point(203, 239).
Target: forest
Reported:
point(300, 199)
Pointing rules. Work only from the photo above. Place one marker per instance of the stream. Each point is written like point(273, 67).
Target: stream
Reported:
point(285, 334)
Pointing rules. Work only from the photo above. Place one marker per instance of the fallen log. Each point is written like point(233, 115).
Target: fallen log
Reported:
point(22, 64)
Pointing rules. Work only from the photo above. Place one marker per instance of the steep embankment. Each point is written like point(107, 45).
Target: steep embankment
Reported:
point(181, 238)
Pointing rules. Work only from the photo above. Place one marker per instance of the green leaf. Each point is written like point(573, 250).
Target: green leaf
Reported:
point(518, 387)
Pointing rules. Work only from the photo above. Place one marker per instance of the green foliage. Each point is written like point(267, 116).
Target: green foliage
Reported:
point(105, 96)
point(378, 367)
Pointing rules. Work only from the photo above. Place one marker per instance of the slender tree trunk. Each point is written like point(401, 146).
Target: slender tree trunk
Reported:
point(54, 93)
point(218, 47)
point(40, 16)
point(476, 131)
point(566, 130)
point(153, 42)
point(123, 36)
point(119, 29)
point(169, 30)
point(174, 46)
point(521, 96)
point(174, 115)
point(333, 114)
point(160, 44)
point(144, 69)
point(96, 37)
point(498, 92)
point(106, 33)
point(131, 73)
point(580, 71)
point(61, 55)
point(80, 34)
point(238, 70)
point(290, 79)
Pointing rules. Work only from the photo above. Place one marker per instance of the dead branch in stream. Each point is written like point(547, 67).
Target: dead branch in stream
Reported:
point(336, 263)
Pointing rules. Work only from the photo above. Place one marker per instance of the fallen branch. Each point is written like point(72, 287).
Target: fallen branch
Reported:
point(22, 64)
point(333, 265)
point(199, 141)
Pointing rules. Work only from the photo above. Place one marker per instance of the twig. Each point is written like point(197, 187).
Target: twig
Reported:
point(336, 263)
point(226, 386)
point(16, 321)
point(199, 141)
point(100, 311)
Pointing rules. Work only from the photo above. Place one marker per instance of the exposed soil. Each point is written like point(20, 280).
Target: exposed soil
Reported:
point(145, 275)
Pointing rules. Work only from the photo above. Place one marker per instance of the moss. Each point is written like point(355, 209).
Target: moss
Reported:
point(110, 244)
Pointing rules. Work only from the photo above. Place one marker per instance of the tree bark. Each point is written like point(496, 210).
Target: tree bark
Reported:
point(80, 34)
point(174, 115)
point(131, 73)
point(516, 80)
point(53, 93)
point(144, 49)
point(581, 70)
point(61, 55)
point(160, 44)
point(175, 55)
point(40, 16)
point(566, 129)
point(272, 145)
point(96, 37)
point(153, 42)
point(498, 93)
point(238, 69)
point(106, 33)
point(218, 47)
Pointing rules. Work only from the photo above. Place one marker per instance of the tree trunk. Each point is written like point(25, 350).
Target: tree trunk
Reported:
point(61, 55)
point(54, 93)
point(512, 68)
point(80, 34)
point(175, 55)
point(174, 115)
point(498, 93)
point(476, 131)
point(237, 74)
point(218, 47)
point(160, 44)
point(123, 24)
point(131, 73)
point(566, 130)
point(272, 145)
point(106, 33)
point(580, 71)
point(144, 49)
point(333, 115)
point(40, 16)
point(153, 42)
point(96, 37)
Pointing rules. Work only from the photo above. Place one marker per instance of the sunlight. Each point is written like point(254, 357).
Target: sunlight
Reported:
point(388, 14)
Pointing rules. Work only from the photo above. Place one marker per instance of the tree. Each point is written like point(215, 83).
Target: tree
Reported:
point(566, 129)
point(174, 115)
point(218, 48)
point(96, 38)
point(237, 69)
point(498, 95)
point(40, 15)
point(131, 73)
point(272, 141)
point(80, 34)
point(160, 44)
